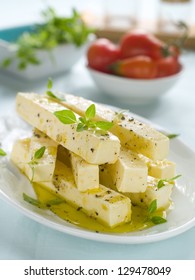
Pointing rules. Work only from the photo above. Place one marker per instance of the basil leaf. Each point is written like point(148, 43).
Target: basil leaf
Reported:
point(39, 153)
point(174, 178)
point(52, 95)
point(6, 62)
point(153, 206)
point(49, 83)
point(171, 136)
point(104, 125)
point(160, 184)
point(83, 120)
point(2, 152)
point(66, 116)
point(55, 201)
point(39, 204)
point(158, 220)
point(81, 127)
point(90, 112)
point(32, 201)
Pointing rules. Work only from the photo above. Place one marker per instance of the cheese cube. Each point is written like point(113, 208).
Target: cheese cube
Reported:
point(105, 205)
point(128, 173)
point(95, 148)
point(23, 152)
point(162, 169)
point(133, 134)
point(162, 195)
point(86, 175)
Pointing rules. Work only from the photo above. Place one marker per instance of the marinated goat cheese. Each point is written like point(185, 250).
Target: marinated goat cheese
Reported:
point(92, 166)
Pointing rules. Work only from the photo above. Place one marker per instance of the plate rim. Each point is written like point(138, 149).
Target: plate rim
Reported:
point(105, 237)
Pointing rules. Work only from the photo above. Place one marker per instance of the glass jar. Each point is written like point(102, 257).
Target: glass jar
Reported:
point(173, 12)
point(120, 14)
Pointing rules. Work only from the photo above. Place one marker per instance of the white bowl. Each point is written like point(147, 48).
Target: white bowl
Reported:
point(58, 60)
point(133, 91)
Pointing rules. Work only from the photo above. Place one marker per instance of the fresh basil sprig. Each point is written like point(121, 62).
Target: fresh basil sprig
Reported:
point(172, 136)
point(39, 204)
point(55, 30)
point(49, 91)
point(84, 123)
point(161, 183)
point(158, 220)
point(2, 153)
point(37, 155)
point(152, 209)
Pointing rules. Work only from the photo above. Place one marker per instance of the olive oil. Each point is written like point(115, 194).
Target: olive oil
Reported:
point(75, 215)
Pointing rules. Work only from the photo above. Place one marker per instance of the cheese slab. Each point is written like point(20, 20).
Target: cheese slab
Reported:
point(162, 195)
point(39, 112)
point(105, 205)
point(133, 134)
point(128, 174)
point(86, 175)
point(162, 169)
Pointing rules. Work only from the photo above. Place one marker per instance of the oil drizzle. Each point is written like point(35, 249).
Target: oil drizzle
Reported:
point(75, 215)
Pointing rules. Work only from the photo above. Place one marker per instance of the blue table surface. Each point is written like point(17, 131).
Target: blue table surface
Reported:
point(23, 238)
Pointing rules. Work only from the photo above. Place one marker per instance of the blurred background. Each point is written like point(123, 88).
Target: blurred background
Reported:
point(106, 15)
point(175, 111)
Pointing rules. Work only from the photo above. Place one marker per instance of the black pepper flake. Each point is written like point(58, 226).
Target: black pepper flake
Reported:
point(37, 135)
point(123, 118)
point(79, 208)
point(102, 169)
point(92, 150)
point(38, 115)
point(96, 213)
point(73, 138)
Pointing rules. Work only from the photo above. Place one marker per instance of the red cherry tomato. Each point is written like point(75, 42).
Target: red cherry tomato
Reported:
point(102, 53)
point(168, 66)
point(141, 43)
point(138, 67)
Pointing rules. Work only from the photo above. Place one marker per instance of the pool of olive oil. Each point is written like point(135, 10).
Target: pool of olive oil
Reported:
point(74, 215)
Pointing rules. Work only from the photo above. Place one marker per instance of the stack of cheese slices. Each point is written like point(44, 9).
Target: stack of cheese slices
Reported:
point(102, 173)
